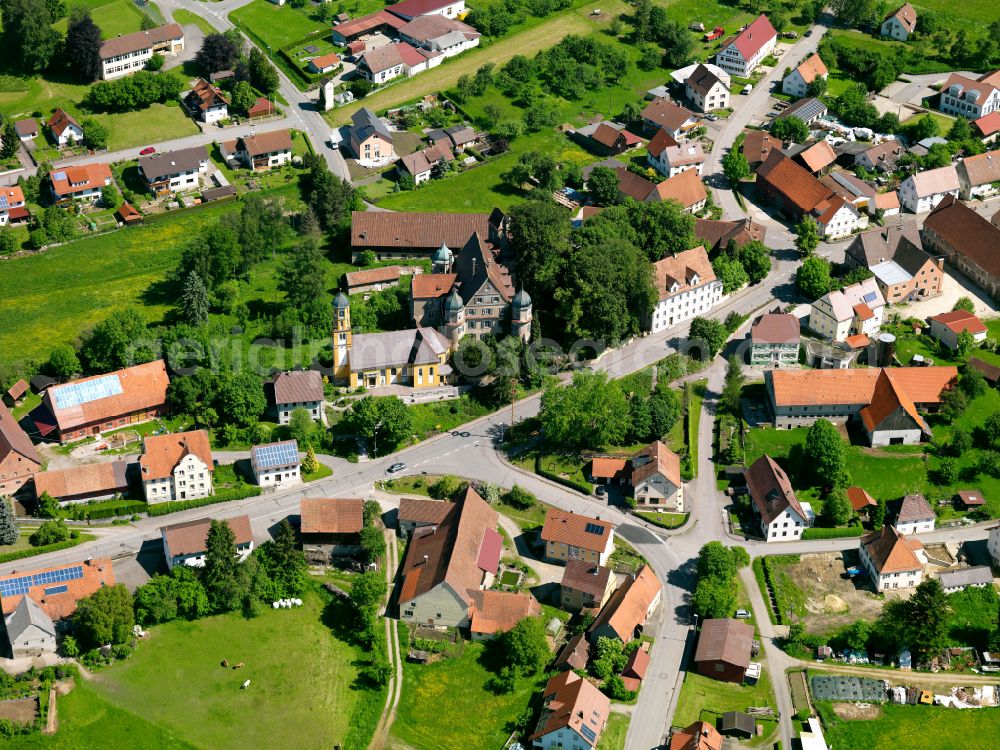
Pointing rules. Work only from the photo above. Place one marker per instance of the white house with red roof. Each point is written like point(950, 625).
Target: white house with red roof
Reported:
point(900, 23)
point(742, 53)
point(971, 97)
point(687, 286)
point(797, 82)
point(12, 207)
point(64, 128)
point(947, 326)
point(80, 183)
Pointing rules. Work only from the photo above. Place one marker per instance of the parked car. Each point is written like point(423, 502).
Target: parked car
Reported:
point(147, 151)
point(742, 614)
point(809, 32)
point(748, 88)
point(711, 118)
point(395, 468)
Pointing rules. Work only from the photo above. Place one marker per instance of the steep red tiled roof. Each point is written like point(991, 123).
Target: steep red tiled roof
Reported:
point(886, 399)
point(69, 180)
point(892, 552)
point(626, 609)
point(775, 328)
point(960, 320)
point(590, 578)
point(989, 124)
point(698, 736)
point(106, 476)
point(667, 114)
point(328, 515)
point(372, 276)
point(97, 573)
point(432, 285)
point(603, 467)
point(564, 527)
point(906, 16)
point(758, 144)
point(967, 233)
point(574, 703)
point(811, 68)
point(771, 490)
point(682, 269)
point(859, 499)
point(142, 387)
point(498, 611)
point(754, 37)
point(792, 181)
point(422, 510)
point(855, 386)
point(15, 440)
point(161, 453)
point(662, 460)
point(660, 141)
point(686, 188)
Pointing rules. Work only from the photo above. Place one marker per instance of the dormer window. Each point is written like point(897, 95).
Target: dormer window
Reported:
point(695, 279)
point(674, 287)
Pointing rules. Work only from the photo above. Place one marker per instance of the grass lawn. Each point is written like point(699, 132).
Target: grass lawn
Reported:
point(944, 121)
point(302, 680)
point(666, 520)
point(22, 542)
point(705, 699)
point(157, 123)
point(980, 11)
point(321, 473)
point(185, 17)
point(465, 715)
point(837, 86)
point(276, 25)
point(614, 735)
point(22, 96)
point(911, 727)
point(113, 17)
point(441, 416)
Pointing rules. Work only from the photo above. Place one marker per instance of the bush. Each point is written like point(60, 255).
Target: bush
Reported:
point(835, 533)
point(573, 484)
point(82, 512)
point(21, 554)
point(236, 493)
point(50, 532)
point(520, 498)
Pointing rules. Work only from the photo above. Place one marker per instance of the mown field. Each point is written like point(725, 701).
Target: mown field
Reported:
point(917, 728)
point(113, 17)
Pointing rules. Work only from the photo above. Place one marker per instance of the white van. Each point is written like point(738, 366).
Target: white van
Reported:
point(747, 89)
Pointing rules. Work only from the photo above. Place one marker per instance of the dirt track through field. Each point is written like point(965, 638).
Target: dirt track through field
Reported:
point(900, 677)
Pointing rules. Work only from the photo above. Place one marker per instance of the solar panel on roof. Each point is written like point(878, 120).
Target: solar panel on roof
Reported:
point(593, 528)
point(870, 297)
point(62, 588)
point(22, 584)
point(4, 203)
point(588, 733)
point(59, 176)
point(278, 454)
point(75, 394)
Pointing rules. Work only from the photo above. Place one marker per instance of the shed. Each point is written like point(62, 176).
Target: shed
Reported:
point(40, 383)
point(724, 649)
point(635, 670)
point(970, 499)
point(15, 394)
point(737, 724)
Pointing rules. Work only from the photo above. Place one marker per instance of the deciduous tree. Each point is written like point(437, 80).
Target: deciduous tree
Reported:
point(602, 184)
point(106, 616)
point(217, 52)
point(525, 646)
point(83, 45)
point(826, 454)
point(813, 277)
point(590, 411)
point(710, 331)
point(63, 362)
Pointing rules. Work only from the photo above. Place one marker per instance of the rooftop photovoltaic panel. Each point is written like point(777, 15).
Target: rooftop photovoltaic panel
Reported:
point(593, 528)
point(22, 584)
point(59, 176)
point(587, 732)
point(870, 297)
point(62, 588)
point(4, 203)
point(279, 454)
point(74, 394)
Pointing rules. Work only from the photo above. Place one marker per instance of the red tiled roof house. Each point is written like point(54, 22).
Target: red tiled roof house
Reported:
point(569, 536)
point(723, 651)
point(176, 467)
point(186, 543)
point(330, 527)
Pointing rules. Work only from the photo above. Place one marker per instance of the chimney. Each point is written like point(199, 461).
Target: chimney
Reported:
point(425, 559)
point(473, 266)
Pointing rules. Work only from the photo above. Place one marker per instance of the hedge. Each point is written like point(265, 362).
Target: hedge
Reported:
point(31, 552)
point(834, 533)
point(573, 484)
point(124, 508)
point(238, 493)
point(762, 577)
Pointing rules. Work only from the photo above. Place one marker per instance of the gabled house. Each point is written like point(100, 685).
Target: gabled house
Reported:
point(628, 608)
point(797, 82)
point(585, 585)
point(757, 146)
point(706, 90)
point(900, 23)
point(740, 55)
point(298, 389)
point(671, 160)
point(84, 183)
point(323, 63)
point(330, 527)
point(568, 536)
point(685, 187)
point(855, 309)
point(18, 458)
point(382, 64)
point(972, 98)
point(817, 157)
point(912, 514)
point(887, 203)
point(56, 588)
point(979, 175)
point(723, 651)
point(421, 164)
point(892, 418)
point(892, 560)
point(686, 286)
point(174, 171)
point(187, 543)
point(262, 151)
point(176, 467)
point(606, 138)
point(895, 254)
point(124, 55)
point(495, 612)
point(574, 714)
point(16, 394)
point(716, 235)
point(457, 137)
point(922, 191)
point(64, 128)
point(417, 512)
point(276, 464)
point(656, 478)
point(373, 279)
point(27, 129)
point(445, 564)
point(12, 206)
point(966, 239)
point(575, 654)
point(809, 110)
point(775, 340)
point(851, 188)
point(207, 102)
point(415, 234)
point(861, 502)
point(977, 577)
point(986, 128)
point(946, 327)
point(371, 140)
point(30, 631)
point(882, 157)
point(663, 113)
point(698, 736)
point(780, 514)
point(79, 484)
point(635, 669)
point(438, 33)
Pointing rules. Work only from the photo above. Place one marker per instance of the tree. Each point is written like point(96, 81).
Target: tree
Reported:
point(991, 429)
point(301, 427)
point(220, 573)
point(263, 75)
point(525, 647)
point(756, 260)
point(167, 597)
point(966, 304)
point(309, 464)
point(194, 300)
point(372, 543)
point(710, 331)
point(731, 272)
point(367, 594)
point(63, 362)
point(973, 383)
point(948, 471)
point(384, 417)
point(540, 233)
point(111, 197)
point(715, 560)
point(735, 166)
point(836, 507)
point(733, 389)
point(46, 506)
point(924, 127)
point(50, 532)
point(8, 242)
point(241, 398)
point(106, 616)
point(303, 280)
point(29, 40)
point(857, 634)
point(713, 598)
point(826, 454)
point(790, 129)
point(964, 344)
point(70, 648)
point(83, 45)
point(813, 277)
point(283, 563)
point(677, 43)
point(960, 130)
point(664, 409)
point(807, 235)
point(9, 526)
point(602, 184)
point(218, 52)
point(649, 57)
point(877, 514)
point(370, 512)
point(446, 488)
point(927, 619)
point(155, 62)
point(953, 403)
point(330, 197)
point(242, 97)
point(120, 340)
point(590, 411)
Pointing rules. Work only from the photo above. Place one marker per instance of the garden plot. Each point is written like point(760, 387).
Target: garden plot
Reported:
point(829, 600)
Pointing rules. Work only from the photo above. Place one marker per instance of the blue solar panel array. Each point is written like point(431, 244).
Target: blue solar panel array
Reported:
point(4, 203)
point(275, 455)
point(593, 528)
point(22, 584)
point(75, 394)
point(588, 733)
point(62, 588)
point(870, 297)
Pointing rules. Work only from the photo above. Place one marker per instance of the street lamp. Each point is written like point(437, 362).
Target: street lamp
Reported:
point(375, 436)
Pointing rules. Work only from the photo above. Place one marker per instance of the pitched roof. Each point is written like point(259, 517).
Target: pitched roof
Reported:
point(450, 553)
point(191, 537)
point(989, 124)
point(891, 552)
point(667, 114)
point(626, 609)
point(57, 588)
point(606, 134)
point(635, 186)
point(989, 371)
point(205, 95)
point(106, 476)
point(981, 169)
point(18, 389)
point(27, 614)
point(475, 265)
point(427, 28)
point(859, 498)
point(162, 453)
point(856, 385)
point(758, 144)
point(848, 186)
point(60, 120)
point(725, 639)
point(298, 387)
point(698, 736)
point(906, 16)
point(914, 507)
point(575, 654)
point(358, 26)
point(817, 156)
point(158, 166)
point(888, 243)
point(607, 466)
point(424, 160)
point(414, 8)
point(971, 497)
point(330, 515)
point(978, 575)
point(775, 328)
point(807, 109)
point(718, 234)
point(793, 182)
point(637, 664)
point(686, 188)
point(590, 578)
point(26, 127)
point(413, 230)
point(886, 152)
point(569, 701)
point(811, 68)
point(133, 389)
point(325, 61)
point(689, 153)
point(432, 285)
point(662, 460)
point(265, 143)
point(967, 232)
point(576, 530)
point(499, 611)
point(372, 276)
point(750, 41)
point(960, 320)
point(412, 346)
point(279, 455)
point(844, 303)
point(70, 180)
point(140, 40)
point(13, 439)
point(935, 181)
point(887, 398)
point(422, 510)
point(976, 90)
point(681, 269)
point(771, 490)
point(702, 79)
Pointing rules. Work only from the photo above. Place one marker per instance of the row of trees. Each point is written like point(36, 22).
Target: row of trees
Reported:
point(717, 567)
point(496, 19)
point(137, 91)
point(227, 51)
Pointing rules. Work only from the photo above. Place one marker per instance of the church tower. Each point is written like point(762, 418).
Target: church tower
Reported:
point(341, 339)
point(454, 316)
point(443, 260)
point(520, 315)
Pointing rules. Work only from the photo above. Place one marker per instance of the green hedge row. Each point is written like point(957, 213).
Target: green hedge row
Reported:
point(239, 493)
point(763, 576)
point(573, 484)
point(31, 552)
point(124, 508)
point(835, 533)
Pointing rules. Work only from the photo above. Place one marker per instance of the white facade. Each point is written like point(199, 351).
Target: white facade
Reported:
point(671, 161)
point(686, 304)
point(896, 437)
point(215, 113)
point(993, 545)
point(274, 159)
point(912, 201)
point(887, 581)
point(282, 476)
point(795, 85)
point(659, 492)
point(892, 28)
point(191, 479)
point(845, 221)
point(732, 61)
point(787, 527)
point(129, 62)
point(563, 738)
point(970, 100)
point(716, 97)
point(917, 526)
point(71, 134)
point(313, 407)
point(834, 316)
